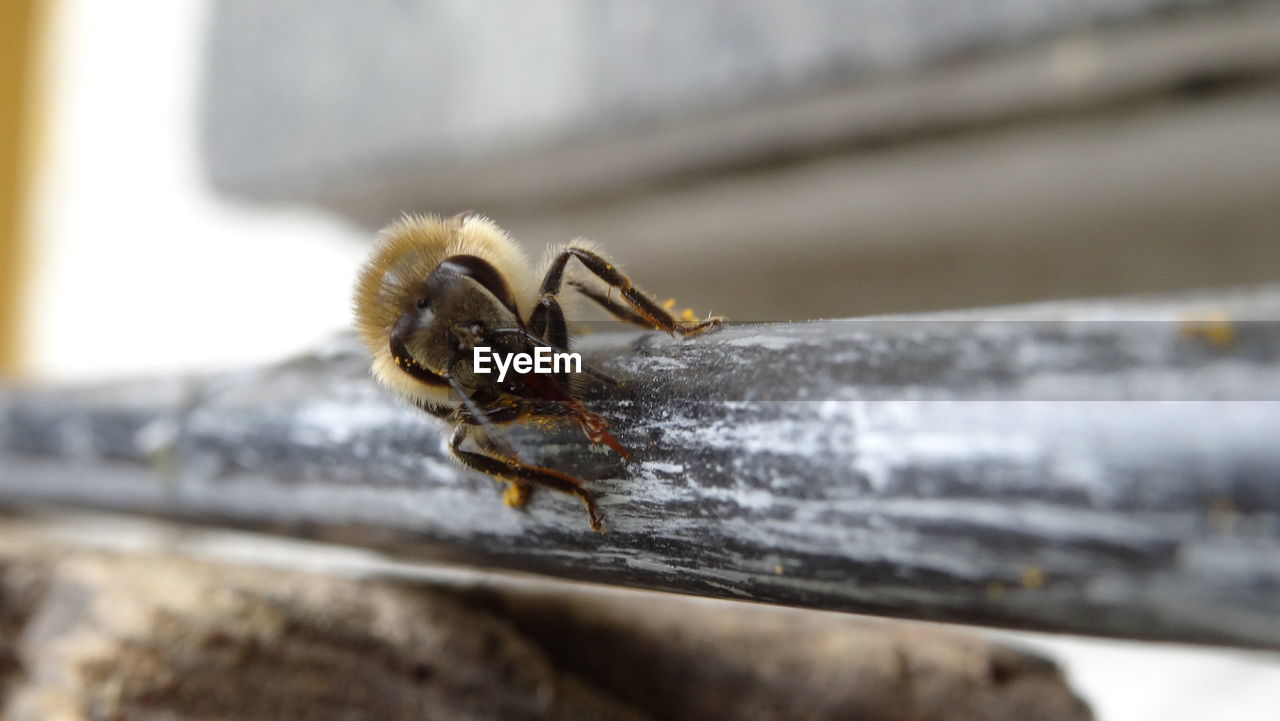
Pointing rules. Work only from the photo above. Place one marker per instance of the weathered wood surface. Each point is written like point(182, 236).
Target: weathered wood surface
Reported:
point(149, 634)
point(1106, 468)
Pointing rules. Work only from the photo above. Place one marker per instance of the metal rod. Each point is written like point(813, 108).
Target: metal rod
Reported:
point(1107, 468)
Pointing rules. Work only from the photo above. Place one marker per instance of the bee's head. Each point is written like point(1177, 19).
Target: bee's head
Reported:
point(461, 297)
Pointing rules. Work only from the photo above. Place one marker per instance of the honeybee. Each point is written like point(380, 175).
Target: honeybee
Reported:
point(435, 289)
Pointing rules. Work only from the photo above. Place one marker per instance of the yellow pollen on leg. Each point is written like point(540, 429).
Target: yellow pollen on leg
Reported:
point(515, 495)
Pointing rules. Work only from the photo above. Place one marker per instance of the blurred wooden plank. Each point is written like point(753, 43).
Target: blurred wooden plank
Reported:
point(1040, 468)
point(1148, 198)
point(743, 86)
point(146, 630)
point(1097, 158)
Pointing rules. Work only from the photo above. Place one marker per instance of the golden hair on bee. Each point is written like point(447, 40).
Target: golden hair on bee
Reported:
point(437, 293)
point(407, 251)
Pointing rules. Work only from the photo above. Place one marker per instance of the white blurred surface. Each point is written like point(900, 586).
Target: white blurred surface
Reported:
point(140, 269)
point(1132, 681)
point(137, 267)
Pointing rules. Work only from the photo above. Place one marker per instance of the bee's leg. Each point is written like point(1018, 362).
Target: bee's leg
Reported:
point(646, 312)
point(516, 493)
point(616, 309)
point(547, 322)
point(517, 473)
point(594, 426)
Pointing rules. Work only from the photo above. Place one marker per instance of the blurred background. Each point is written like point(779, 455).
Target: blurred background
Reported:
point(198, 180)
point(188, 185)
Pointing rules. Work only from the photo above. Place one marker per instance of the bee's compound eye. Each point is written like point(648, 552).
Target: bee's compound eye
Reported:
point(422, 302)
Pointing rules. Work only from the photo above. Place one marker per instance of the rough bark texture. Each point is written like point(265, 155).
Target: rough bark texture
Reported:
point(95, 635)
point(1105, 468)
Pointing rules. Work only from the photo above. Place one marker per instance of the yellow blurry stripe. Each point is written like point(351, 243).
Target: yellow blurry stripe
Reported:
point(21, 26)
